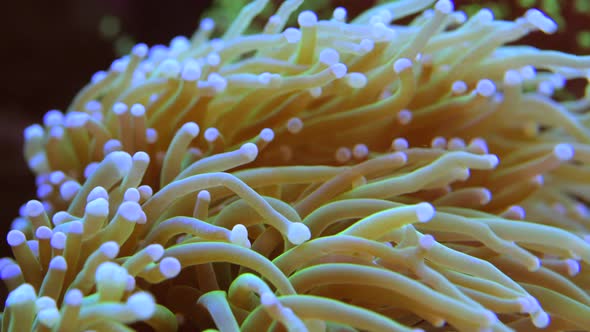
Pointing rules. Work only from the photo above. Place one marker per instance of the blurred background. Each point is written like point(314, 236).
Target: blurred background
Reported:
point(51, 49)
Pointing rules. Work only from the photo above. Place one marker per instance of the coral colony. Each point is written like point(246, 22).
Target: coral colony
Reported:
point(337, 175)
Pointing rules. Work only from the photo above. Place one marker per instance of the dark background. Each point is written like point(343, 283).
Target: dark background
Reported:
point(49, 50)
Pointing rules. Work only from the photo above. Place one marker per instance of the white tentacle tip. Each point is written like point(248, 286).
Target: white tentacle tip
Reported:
point(329, 56)
point(250, 150)
point(48, 317)
point(426, 242)
point(402, 64)
point(292, 35)
point(493, 160)
point(541, 21)
point(239, 235)
point(486, 88)
point(155, 251)
point(564, 152)
point(573, 267)
point(15, 238)
point(110, 249)
point(170, 267)
point(142, 304)
point(191, 128)
point(297, 233)
point(122, 160)
point(307, 19)
point(339, 70)
point(541, 319)
point(444, 6)
point(424, 211)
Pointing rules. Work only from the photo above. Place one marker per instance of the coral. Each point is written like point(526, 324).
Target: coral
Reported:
point(343, 175)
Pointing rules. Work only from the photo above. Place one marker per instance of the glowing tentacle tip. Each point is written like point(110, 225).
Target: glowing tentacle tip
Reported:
point(15, 238)
point(213, 59)
point(400, 143)
point(339, 70)
point(563, 152)
point(307, 19)
point(122, 160)
point(130, 283)
point(155, 251)
point(69, 189)
point(151, 135)
point(540, 21)
point(137, 110)
point(119, 108)
point(10, 271)
point(426, 242)
point(109, 272)
point(424, 211)
point(145, 191)
point(34, 208)
point(211, 134)
point(356, 80)
point(444, 6)
point(573, 267)
point(140, 50)
point(90, 169)
point(76, 119)
point(294, 125)
point(207, 24)
point(315, 92)
point(292, 35)
point(22, 294)
point(44, 302)
point(109, 249)
point(402, 64)
point(170, 267)
point(58, 263)
point(539, 179)
point(297, 233)
point(43, 233)
point(493, 160)
point(50, 119)
point(191, 128)
point(459, 87)
point(130, 211)
point(343, 154)
point(239, 235)
point(404, 117)
point(340, 14)
point(535, 265)
point(142, 304)
point(367, 45)
point(267, 135)
point(329, 56)
point(250, 150)
point(512, 77)
point(170, 68)
point(132, 195)
point(98, 207)
point(485, 88)
point(204, 195)
point(485, 196)
point(541, 319)
point(528, 72)
point(141, 157)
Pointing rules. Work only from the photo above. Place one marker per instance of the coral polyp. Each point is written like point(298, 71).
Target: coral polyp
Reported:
point(337, 175)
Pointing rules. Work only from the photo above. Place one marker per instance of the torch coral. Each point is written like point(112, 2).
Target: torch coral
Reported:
point(337, 176)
